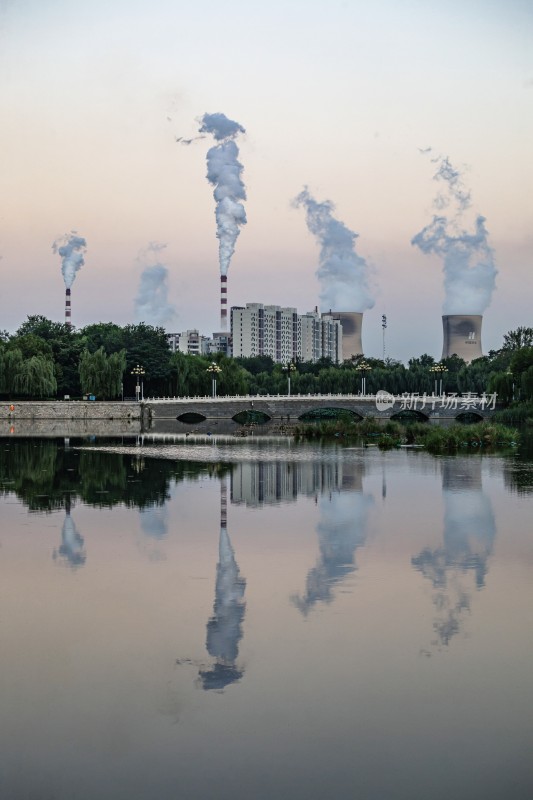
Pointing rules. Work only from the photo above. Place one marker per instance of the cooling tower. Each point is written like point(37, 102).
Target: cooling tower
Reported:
point(68, 309)
point(351, 324)
point(462, 336)
point(223, 302)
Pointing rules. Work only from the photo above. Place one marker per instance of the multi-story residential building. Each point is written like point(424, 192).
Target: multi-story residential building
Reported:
point(283, 334)
point(190, 342)
point(194, 344)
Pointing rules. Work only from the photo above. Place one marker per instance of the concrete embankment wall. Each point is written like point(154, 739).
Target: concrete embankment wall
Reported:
point(75, 418)
point(68, 410)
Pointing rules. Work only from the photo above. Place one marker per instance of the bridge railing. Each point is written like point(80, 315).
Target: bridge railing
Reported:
point(251, 397)
point(300, 397)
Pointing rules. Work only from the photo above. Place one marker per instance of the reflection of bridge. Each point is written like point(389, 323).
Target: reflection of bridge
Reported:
point(283, 408)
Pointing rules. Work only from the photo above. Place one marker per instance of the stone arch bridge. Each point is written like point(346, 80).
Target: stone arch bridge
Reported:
point(283, 408)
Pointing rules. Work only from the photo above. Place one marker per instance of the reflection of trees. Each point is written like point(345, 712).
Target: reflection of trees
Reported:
point(38, 472)
point(469, 531)
point(518, 471)
point(46, 476)
point(341, 530)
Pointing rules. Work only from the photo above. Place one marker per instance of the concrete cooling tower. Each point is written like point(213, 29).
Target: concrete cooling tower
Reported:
point(462, 336)
point(351, 324)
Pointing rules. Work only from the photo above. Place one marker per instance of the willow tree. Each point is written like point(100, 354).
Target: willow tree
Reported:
point(10, 366)
point(35, 377)
point(100, 374)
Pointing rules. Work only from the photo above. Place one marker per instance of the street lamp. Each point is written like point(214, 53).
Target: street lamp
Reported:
point(289, 368)
point(213, 370)
point(139, 372)
point(363, 368)
point(438, 370)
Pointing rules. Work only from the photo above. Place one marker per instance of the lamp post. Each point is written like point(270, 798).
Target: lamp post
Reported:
point(384, 326)
point(438, 370)
point(363, 368)
point(213, 370)
point(289, 369)
point(139, 372)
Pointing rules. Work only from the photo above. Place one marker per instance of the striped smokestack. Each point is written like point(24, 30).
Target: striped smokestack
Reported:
point(223, 504)
point(223, 302)
point(68, 309)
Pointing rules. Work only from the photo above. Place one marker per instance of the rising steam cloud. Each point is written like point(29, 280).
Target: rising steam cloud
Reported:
point(151, 303)
point(343, 274)
point(224, 173)
point(468, 259)
point(71, 248)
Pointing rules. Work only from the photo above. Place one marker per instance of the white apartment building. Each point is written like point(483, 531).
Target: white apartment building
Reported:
point(194, 344)
point(189, 342)
point(283, 334)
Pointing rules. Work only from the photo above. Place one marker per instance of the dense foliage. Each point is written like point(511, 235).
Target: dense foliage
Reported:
point(45, 359)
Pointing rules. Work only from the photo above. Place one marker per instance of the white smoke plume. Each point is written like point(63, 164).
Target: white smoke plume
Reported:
point(71, 548)
point(151, 303)
point(71, 248)
point(224, 173)
point(468, 259)
point(343, 274)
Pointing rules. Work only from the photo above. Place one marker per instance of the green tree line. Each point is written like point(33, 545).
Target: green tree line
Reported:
point(45, 359)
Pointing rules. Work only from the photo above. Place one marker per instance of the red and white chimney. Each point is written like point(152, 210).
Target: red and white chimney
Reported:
point(223, 302)
point(68, 309)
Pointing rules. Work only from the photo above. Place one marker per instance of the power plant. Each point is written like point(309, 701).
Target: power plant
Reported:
point(462, 336)
point(351, 324)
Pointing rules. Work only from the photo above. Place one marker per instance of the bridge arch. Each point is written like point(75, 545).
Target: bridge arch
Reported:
point(328, 413)
point(251, 416)
point(469, 418)
point(410, 415)
point(191, 417)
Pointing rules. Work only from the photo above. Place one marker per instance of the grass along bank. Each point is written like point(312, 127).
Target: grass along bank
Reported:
point(484, 435)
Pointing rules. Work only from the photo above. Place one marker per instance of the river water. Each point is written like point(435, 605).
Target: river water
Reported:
point(228, 619)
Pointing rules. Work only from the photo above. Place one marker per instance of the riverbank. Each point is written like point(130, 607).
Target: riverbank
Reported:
point(434, 439)
point(65, 418)
point(13, 410)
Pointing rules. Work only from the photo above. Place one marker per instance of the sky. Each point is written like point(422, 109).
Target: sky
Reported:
point(339, 97)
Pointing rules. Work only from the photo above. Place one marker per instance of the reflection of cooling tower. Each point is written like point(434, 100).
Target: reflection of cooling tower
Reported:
point(351, 324)
point(462, 336)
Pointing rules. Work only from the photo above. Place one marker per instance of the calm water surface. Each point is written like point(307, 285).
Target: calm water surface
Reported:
point(228, 620)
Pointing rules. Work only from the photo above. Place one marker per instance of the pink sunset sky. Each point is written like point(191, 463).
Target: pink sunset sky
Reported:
point(339, 97)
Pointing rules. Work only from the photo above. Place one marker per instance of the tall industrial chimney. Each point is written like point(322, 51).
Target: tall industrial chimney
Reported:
point(351, 324)
point(223, 302)
point(462, 336)
point(68, 320)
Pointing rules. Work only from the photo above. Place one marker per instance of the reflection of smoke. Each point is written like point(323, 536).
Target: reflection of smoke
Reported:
point(224, 173)
point(154, 521)
point(469, 269)
point(343, 274)
point(224, 629)
point(71, 548)
point(151, 303)
point(71, 248)
point(469, 532)
point(341, 530)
